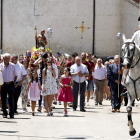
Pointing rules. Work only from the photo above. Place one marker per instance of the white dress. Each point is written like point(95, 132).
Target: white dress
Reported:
point(50, 84)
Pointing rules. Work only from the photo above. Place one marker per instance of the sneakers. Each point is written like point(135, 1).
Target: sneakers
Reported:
point(87, 104)
point(65, 113)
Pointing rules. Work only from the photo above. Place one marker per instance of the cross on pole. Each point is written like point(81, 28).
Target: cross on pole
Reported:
point(82, 28)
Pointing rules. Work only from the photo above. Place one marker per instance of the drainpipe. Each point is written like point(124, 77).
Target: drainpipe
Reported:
point(1, 25)
point(94, 2)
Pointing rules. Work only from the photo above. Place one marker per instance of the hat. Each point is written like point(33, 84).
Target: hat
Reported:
point(139, 19)
point(42, 31)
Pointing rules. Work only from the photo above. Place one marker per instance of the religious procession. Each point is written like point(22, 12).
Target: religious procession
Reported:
point(93, 86)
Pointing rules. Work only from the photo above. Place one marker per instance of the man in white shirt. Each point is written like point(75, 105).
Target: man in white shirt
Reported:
point(21, 75)
point(79, 73)
point(99, 81)
point(1, 78)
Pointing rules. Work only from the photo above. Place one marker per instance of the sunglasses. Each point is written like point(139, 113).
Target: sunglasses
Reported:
point(49, 62)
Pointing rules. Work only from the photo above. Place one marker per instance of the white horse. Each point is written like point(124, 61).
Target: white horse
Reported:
point(131, 61)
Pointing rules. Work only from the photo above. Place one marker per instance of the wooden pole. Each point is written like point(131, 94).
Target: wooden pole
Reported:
point(80, 59)
point(82, 28)
point(119, 70)
point(119, 44)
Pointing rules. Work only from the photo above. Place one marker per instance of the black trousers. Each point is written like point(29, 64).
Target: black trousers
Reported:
point(115, 100)
point(16, 96)
point(10, 90)
point(82, 94)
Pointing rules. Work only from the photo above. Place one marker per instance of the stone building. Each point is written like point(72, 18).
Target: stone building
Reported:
point(104, 17)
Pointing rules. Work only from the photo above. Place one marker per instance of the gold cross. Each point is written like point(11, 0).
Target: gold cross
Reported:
point(82, 27)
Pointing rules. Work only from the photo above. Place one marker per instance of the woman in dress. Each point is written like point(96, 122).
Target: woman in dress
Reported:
point(42, 62)
point(49, 85)
point(24, 85)
point(65, 93)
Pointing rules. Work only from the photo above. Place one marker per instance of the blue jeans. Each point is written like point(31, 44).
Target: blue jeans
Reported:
point(89, 85)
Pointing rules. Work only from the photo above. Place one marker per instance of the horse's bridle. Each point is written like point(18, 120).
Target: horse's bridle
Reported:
point(130, 58)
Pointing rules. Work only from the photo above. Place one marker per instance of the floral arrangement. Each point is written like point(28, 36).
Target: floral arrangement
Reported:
point(36, 52)
point(48, 50)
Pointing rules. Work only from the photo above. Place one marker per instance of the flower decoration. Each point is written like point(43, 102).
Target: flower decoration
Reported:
point(48, 50)
point(36, 52)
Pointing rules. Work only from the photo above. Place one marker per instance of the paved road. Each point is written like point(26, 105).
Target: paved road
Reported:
point(97, 123)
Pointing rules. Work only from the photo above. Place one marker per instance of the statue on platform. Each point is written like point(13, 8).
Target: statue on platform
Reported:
point(41, 40)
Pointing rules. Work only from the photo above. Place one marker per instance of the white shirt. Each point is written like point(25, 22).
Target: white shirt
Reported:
point(1, 78)
point(75, 68)
point(137, 37)
point(56, 70)
point(99, 73)
point(20, 71)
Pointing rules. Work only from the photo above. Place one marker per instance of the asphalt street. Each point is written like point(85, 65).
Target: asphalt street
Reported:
point(98, 122)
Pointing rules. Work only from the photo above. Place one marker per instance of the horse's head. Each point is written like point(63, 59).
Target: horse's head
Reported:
point(130, 51)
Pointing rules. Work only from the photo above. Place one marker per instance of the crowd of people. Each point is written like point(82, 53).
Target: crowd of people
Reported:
point(54, 79)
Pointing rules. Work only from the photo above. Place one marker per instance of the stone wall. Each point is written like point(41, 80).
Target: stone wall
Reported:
point(112, 16)
point(108, 20)
point(129, 18)
point(21, 16)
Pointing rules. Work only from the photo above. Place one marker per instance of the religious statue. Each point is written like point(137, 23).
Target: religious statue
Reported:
point(41, 40)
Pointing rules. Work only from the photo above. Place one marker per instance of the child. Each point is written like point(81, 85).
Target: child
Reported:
point(65, 93)
point(33, 86)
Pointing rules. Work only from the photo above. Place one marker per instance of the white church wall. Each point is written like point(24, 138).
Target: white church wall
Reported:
point(108, 19)
point(21, 16)
point(112, 16)
point(129, 19)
